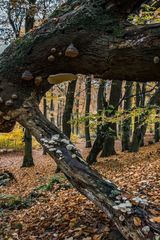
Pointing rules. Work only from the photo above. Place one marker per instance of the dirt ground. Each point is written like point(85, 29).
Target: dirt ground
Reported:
point(63, 213)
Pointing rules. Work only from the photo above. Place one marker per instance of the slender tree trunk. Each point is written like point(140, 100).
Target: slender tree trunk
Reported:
point(73, 124)
point(58, 115)
point(77, 108)
point(126, 125)
point(139, 127)
point(67, 114)
point(157, 124)
point(45, 114)
point(87, 110)
point(97, 145)
point(30, 15)
point(157, 130)
point(27, 159)
point(100, 104)
point(68, 108)
point(51, 107)
point(109, 142)
point(143, 97)
point(106, 141)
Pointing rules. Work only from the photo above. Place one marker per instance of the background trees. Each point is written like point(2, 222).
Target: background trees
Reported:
point(130, 54)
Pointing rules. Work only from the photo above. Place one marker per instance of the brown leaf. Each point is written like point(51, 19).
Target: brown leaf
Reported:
point(137, 221)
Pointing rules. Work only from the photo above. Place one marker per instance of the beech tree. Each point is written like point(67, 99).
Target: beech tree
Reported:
point(87, 37)
point(87, 110)
point(105, 139)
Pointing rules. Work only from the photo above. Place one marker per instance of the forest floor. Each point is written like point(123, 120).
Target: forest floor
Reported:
point(41, 205)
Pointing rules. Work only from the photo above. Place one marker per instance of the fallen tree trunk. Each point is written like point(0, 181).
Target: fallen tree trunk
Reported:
point(102, 192)
point(105, 46)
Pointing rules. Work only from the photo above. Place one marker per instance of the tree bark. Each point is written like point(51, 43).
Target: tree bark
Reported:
point(142, 126)
point(27, 159)
point(100, 104)
point(109, 141)
point(105, 137)
point(108, 48)
point(30, 16)
point(126, 125)
point(68, 108)
point(136, 141)
point(143, 98)
point(45, 114)
point(87, 110)
point(66, 125)
point(157, 124)
point(77, 108)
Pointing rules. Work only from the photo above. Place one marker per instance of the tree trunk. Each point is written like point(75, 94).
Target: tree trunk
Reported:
point(157, 124)
point(157, 131)
point(105, 138)
point(139, 128)
point(126, 125)
point(97, 145)
point(51, 107)
point(69, 108)
point(27, 159)
point(142, 126)
point(68, 112)
point(77, 108)
point(30, 16)
point(100, 104)
point(45, 114)
point(107, 47)
point(109, 141)
point(87, 110)
point(137, 134)
point(102, 192)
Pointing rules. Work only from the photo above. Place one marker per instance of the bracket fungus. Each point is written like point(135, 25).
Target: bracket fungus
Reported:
point(71, 51)
point(53, 50)
point(60, 54)
point(14, 96)
point(156, 60)
point(61, 77)
point(38, 81)
point(51, 58)
point(9, 103)
point(27, 75)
